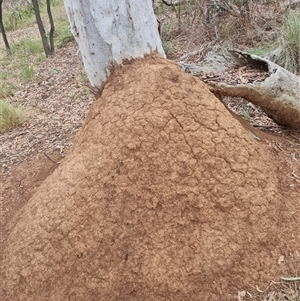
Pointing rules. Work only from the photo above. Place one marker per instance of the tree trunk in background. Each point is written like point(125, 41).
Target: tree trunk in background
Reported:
point(3, 30)
point(52, 28)
point(41, 27)
point(108, 32)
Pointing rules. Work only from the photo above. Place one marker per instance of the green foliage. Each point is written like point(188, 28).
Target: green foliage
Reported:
point(63, 35)
point(168, 47)
point(15, 69)
point(259, 51)
point(14, 19)
point(159, 8)
point(24, 15)
point(2, 93)
point(27, 73)
point(246, 115)
point(11, 116)
point(28, 52)
point(289, 57)
point(11, 88)
point(292, 31)
point(28, 46)
point(56, 2)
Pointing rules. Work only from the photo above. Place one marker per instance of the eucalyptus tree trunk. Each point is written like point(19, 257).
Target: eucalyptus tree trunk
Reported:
point(52, 28)
point(108, 32)
point(46, 46)
point(3, 30)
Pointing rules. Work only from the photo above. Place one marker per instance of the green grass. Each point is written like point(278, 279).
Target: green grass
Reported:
point(168, 48)
point(28, 46)
point(11, 88)
point(289, 56)
point(18, 17)
point(27, 73)
point(11, 116)
point(63, 34)
point(2, 93)
point(27, 54)
point(259, 51)
point(159, 8)
point(292, 31)
point(19, 67)
point(245, 114)
point(24, 16)
point(14, 69)
point(291, 53)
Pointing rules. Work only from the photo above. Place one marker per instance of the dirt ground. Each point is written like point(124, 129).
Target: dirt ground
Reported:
point(164, 195)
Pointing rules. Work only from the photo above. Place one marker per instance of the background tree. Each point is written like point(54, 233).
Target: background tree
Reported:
point(3, 30)
point(52, 27)
point(108, 32)
point(47, 48)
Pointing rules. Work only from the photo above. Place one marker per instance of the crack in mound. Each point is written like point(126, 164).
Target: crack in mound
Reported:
point(163, 196)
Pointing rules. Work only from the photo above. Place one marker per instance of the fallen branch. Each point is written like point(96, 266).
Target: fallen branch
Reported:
point(48, 157)
point(278, 93)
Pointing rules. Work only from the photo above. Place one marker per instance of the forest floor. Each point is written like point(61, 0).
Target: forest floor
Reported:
point(59, 101)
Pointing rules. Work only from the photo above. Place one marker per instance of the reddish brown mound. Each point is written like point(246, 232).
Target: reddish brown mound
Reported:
point(164, 196)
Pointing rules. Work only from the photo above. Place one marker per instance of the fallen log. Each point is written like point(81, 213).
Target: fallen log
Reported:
point(278, 94)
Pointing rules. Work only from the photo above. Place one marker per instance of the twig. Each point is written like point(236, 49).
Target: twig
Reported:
point(169, 4)
point(293, 173)
point(50, 158)
point(269, 126)
point(187, 55)
point(94, 90)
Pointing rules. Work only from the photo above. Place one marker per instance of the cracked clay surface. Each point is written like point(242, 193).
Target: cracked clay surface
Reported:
point(163, 196)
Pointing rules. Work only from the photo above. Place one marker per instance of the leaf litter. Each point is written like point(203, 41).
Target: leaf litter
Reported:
point(58, 102)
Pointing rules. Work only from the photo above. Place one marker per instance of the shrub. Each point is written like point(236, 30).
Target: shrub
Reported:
point(292, 42)
point(288, 54)
point(13, 19)
point(11, 116)
point(292, 30)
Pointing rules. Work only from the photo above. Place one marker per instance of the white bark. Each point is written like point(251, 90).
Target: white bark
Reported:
point(108, 31)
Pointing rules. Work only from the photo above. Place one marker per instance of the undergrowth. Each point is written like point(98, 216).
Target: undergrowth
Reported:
point(11, 116)
point(21, 15)
point(255, 25)
point(291, 52)
point(26, 54)
point(287, 54)
point(14, 69)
